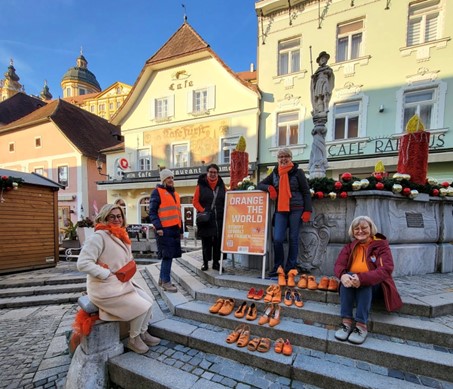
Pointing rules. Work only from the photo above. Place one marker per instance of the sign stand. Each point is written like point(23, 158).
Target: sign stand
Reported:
point(245, 223)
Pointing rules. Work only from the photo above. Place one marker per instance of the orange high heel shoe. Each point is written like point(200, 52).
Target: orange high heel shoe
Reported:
point(288, 299)
point(275, 317)
point(269, 293)
point(277, 296)
point(297, 299)
point(266, 315)
point(281, 276)
point(291, 275)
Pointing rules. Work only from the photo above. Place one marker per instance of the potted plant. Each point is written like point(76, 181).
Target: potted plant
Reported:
point(85, 228)
point(70, 235)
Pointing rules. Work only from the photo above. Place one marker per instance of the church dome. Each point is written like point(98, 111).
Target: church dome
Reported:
point(80, 73)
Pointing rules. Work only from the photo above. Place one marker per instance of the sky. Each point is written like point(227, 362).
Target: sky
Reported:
point(44, 37)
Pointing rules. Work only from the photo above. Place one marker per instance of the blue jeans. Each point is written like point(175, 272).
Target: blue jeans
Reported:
point(165, 269)
point(282, 221)
point(360, 297)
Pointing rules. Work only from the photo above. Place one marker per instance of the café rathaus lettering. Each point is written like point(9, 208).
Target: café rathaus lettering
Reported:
point(379, 146)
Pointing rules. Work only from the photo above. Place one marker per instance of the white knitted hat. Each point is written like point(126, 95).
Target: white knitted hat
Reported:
point(165, 173)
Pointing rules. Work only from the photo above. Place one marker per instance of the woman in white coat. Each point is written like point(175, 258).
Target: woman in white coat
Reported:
point(107, 251)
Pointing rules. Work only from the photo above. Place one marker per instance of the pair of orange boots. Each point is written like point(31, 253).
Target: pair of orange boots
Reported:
point(326, 283)
point(288, 279)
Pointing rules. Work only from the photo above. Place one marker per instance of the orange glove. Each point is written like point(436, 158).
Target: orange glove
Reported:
point(306, 216)
point(272, 192)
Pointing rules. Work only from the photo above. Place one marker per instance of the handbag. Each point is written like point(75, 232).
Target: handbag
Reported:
point(205, 216)
point(127, 271)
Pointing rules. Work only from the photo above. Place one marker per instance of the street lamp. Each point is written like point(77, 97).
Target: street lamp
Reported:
point(99, 167)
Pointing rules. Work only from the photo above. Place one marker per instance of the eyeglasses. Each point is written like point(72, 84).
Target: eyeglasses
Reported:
point(212, 171)
point(113, 217)
point(361, 228)
point(284, 156)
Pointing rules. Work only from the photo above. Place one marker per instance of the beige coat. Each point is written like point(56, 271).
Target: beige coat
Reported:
point(116, 300)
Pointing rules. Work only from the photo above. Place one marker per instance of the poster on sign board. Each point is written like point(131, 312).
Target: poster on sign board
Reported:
point(245, 222)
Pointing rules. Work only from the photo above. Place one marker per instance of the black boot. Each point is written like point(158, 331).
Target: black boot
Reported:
point(216, 265)
point(205, 266)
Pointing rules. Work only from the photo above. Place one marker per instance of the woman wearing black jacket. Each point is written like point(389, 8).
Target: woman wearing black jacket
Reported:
point(210, 196)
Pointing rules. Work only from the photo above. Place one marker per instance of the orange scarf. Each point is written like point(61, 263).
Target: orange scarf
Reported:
point(284, 190)
point(212, 183)
point(118, 232)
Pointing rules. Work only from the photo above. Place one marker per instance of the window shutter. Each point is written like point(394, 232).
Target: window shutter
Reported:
point(413, 32)
point(152, 109)
point(211, 97)
point(190, 102)
point(431, 28)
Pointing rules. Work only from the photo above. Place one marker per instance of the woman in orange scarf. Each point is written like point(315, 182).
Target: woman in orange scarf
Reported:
point(287, 185)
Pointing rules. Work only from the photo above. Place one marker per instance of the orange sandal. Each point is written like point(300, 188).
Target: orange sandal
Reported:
point(264, 346)
point(269, 293)
point(244, 337)
point(278, 347)
point(253, 344)
point(234, 336)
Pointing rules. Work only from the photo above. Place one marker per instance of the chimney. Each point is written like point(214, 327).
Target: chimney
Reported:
point(252, 67)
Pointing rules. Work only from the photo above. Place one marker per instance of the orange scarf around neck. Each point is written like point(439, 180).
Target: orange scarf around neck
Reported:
point(284, 190)
point(212, 183)
point(118, 232)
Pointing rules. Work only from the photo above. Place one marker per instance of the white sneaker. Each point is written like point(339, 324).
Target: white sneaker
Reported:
point(150, 340)
point(137, 345)
point(358, 335)
point(343, 332)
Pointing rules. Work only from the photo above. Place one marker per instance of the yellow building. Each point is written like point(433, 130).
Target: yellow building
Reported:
point(390, 60)
point(187, 109)
point(10, 85)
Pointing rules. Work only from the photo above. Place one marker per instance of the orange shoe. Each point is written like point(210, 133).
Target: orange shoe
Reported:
point(281, 276)
point(333, 285)
point(277, 296)
point(288, 299)
point(251, 293)
point(297, 299)
point(324, 283)
point(258, 294)
point(227, 307)
point(270, 293)
point(252, 312)
point(287, 348)
point(291, 274)
point(278, 347)
point(216, 307)
point(275, 317)
point(266, 315)
point(302, 284)
point(240, 312)
point(311, 283)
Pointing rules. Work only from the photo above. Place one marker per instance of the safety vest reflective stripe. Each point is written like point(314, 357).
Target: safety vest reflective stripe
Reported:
point(169, 211)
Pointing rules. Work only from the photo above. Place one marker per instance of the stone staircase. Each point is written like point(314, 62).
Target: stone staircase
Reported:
point(413, 348)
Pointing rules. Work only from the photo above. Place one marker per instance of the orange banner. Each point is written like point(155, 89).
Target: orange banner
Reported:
point(245, 222)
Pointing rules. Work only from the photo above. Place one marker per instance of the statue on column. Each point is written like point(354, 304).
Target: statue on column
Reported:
point(322, 84)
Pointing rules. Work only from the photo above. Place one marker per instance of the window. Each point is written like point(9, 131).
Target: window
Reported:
point(423, 23)
point(227, 146)
point(11, 147)
point(38, 142)
point(201, 100)
point(346, 120)
point(420, 102)
point(144, 210)
point(62, 175)
point(288, 128)
point(101, 107)
point(82, 91)
point(92, 108)
point(289, 56)
point(162, 108)
point(68, 92)
point(349, 40)
point(39, 170)
point(118, 104)
point(144, 159)
point(111, 106)
point(180, 155)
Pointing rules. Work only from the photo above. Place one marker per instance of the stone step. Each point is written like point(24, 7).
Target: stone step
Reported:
point(439, 305)
point(77, 278)
point(46, 289)
point(45, 299)
point(199, 355)
point(407, 328)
